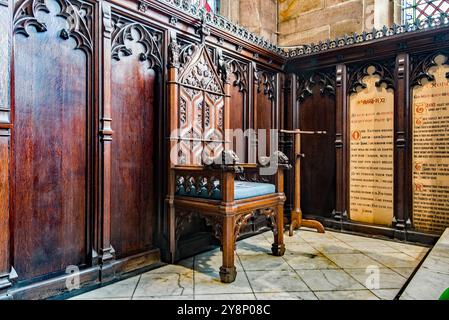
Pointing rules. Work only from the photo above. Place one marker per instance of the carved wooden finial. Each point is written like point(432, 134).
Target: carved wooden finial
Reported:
point(173, 49)
point(203, 30)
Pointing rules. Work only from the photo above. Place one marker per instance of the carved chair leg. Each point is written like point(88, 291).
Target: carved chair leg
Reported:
point(278, 247)
point(228, 271)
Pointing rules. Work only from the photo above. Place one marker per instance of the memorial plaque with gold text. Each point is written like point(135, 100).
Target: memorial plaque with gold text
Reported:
point(371, 154)
point(431, 152)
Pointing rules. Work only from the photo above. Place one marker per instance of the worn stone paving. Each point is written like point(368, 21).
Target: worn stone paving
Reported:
point(331, 266)
point(432, 278)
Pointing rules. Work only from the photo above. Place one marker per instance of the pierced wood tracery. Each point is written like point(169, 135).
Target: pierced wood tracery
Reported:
point(151, 41)
point(243, 220)
point(240, 71)
point(421, 66)
point(357, 74)
point(198, 184)
point(269, 86)
point(184, 218)
point(306, 83)
point(78, 15)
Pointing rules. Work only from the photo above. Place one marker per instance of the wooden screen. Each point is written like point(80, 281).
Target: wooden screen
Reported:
point(52, 149)
point(136, 70)
point(316, 111)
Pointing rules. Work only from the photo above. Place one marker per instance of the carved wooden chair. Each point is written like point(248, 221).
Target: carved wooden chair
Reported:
point(205, 177)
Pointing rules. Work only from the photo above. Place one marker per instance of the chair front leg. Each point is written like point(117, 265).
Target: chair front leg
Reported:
point(278, 247)
point(228, 272)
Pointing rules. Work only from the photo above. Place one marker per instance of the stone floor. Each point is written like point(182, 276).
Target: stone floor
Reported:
point(432, 278)
point(315, 266)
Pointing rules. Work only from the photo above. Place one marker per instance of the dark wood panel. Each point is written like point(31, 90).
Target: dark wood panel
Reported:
point(5, 125)
point(51, 152)
point(133, 110)
point(264, 110)
point(317, 113)
point(238, 117)
point(4, 58)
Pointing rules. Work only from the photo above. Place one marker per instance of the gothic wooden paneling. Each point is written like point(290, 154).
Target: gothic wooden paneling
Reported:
point(5, 136)
point(316, 104)
point(136, 69)
point(240, 113)
point(265, 108)
point(52, 149)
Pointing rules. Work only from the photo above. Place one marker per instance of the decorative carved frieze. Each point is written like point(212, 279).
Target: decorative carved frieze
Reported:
point(200, 185)
point(357, 73)
point(421, 64)
point(78, 15)
point(307, 81)
point(374, 34)
point(269, 86)
point(240, 71)
point(125, 30)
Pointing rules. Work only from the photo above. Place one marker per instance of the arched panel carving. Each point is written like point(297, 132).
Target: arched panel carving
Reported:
point(128, 31)
point(78, 15)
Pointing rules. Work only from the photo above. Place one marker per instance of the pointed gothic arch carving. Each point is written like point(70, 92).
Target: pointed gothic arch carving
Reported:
point(150, 40)
point(200, 107)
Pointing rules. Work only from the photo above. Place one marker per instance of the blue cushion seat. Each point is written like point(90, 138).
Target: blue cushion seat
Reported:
point(245, 190)
point(242, 190)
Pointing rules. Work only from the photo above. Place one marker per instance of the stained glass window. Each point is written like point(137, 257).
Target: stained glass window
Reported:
point(208, 5)
point(421, 9)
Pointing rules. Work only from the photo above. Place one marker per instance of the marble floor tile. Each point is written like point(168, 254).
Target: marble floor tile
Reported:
point(436, 264)
point(171, 268)
point(394, 260)
point(263, 262)
point(334, 247)
point(372, 246)
point(345, 237)
point(386, 294)
point(173, 298)
point(247, 249)
point(313, 235)
point(416, 252)
point(352, 260)
point(224, 297)
point(300, 249)
point(309, 262)
point(346, 295)
point(276, 281)
point(123, 289)
point(286, 296)
point(441, 250)
point(209, 283)
point(100, 299)
point(315, 266)
point(387, 279)
point(265, 239)
point(329, 280)
point(164, 284)
point(211, 262)
point(405, 272)
point(426, 285)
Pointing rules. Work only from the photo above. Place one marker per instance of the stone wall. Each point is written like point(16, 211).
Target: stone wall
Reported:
point(296, 22)
point(258, 16)
point(307, 21)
